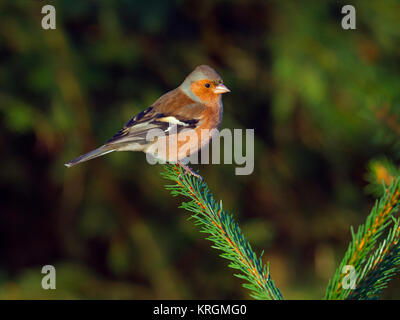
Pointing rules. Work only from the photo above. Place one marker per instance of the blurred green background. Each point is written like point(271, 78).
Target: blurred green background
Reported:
point(323, 102)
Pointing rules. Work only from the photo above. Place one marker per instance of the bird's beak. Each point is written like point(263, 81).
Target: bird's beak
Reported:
point(221, 88)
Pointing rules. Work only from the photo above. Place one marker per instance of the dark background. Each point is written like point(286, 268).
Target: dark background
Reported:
point(322, 101)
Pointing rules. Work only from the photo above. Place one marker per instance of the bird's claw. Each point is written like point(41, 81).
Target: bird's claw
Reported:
point(188, 170)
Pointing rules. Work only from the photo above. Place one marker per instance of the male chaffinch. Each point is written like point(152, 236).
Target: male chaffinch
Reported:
point(195, 105)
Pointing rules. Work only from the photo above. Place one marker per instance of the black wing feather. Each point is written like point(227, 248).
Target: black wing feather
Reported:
point(151, 117)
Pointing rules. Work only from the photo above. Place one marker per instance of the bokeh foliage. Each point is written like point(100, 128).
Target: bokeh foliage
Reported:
point(323, 101)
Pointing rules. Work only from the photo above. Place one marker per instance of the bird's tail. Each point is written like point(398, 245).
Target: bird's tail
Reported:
point(90, 155)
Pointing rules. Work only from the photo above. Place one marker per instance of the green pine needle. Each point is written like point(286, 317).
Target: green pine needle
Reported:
point(381, 267)
point(374, 263)
point(223, 231)
point(372, 272)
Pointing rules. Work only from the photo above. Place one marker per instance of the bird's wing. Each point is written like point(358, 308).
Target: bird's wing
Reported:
point(171, 110)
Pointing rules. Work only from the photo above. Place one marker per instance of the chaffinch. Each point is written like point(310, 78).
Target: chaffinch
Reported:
point(195, 105)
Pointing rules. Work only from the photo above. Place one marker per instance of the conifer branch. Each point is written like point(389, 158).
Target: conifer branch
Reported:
point(224, 232)
point(380, 268)
point(364, 241)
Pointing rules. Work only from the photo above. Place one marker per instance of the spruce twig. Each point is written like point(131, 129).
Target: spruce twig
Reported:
point(364, 242)
point(380, 268)
point(224, 232)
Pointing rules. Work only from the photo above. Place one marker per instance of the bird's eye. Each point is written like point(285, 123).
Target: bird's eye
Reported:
point(207, 85)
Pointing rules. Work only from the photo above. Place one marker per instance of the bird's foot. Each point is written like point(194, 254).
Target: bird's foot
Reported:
point(188, 170)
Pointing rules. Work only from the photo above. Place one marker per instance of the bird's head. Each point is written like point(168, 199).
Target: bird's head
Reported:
point(204, 85)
